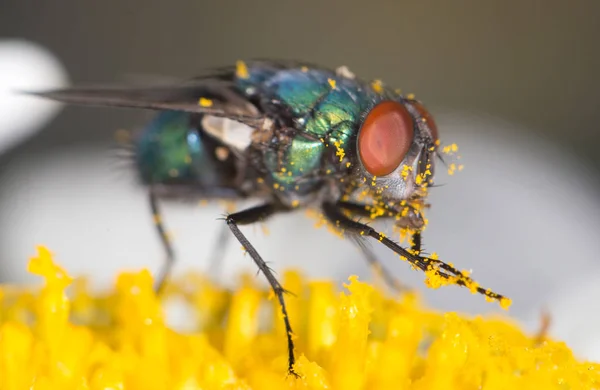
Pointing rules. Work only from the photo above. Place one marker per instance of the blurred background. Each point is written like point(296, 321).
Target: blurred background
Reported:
point(514, 83)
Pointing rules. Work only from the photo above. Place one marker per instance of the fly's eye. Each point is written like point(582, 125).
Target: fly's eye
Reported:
point(385, 137)
point(428, 119)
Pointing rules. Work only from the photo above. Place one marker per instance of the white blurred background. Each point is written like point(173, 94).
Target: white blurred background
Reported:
point(521, 104)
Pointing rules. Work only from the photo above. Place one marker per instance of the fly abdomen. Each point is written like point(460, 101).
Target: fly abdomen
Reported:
point(174, 150)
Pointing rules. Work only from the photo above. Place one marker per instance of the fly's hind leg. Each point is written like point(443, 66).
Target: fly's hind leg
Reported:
point(208, 193)
point(249, 216)
point(165, 241)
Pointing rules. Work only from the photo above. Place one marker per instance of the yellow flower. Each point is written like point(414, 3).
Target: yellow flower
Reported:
point(357, 339)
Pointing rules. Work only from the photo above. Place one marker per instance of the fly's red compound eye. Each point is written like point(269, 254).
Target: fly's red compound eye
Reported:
point(385, 137)
point(428, 119)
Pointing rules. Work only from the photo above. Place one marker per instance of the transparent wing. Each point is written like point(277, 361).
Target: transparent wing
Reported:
point(212, 96)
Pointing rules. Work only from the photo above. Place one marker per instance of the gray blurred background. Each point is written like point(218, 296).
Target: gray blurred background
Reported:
point(514, 83)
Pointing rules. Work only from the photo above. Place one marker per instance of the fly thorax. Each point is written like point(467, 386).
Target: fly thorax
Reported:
point(294, 163)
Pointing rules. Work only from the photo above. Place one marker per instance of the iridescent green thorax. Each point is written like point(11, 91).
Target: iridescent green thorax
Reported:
point(325, 110)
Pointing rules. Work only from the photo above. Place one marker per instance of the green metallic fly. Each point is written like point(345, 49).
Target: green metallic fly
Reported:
point(291, 135)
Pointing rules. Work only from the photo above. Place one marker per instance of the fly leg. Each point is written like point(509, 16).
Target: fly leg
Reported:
point(247, 217)
point(393, 283)
point(166, 243)
point(416, 244)
point(334, 215)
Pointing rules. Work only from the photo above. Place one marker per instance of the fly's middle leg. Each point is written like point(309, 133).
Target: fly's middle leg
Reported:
point(250, 216)
point(388, 278)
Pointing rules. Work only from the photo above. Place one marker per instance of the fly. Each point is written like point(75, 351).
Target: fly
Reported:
point(291, 135)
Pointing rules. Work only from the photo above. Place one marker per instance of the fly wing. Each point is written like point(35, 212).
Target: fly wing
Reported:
point(211, 96)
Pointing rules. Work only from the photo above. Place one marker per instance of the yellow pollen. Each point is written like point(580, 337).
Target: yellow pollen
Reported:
point(405, 171)
point(241, 70)
point(332, 83)
point(449, 149)
point(451, 169)
point(204, 102)
point(505, 303)
point(377, 86)
point(339, 150)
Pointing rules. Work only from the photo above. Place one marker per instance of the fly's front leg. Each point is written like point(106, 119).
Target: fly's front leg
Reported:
point(165, 241)
point(336, 216)
point(416, 244)
point(249, 216)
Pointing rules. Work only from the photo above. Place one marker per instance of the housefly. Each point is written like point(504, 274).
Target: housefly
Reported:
point(291, 135)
